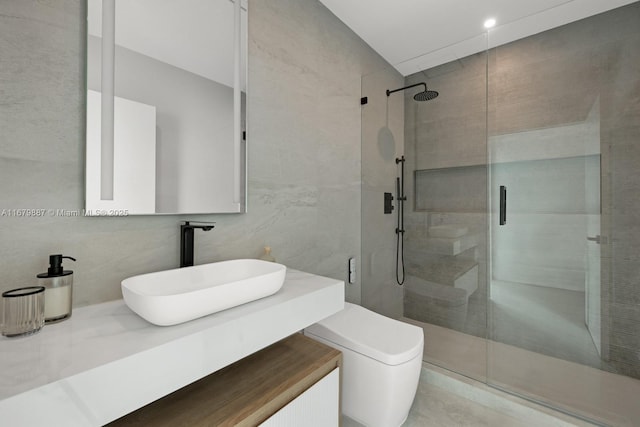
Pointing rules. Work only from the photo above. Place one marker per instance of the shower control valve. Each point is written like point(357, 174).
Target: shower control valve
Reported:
point(388, 203)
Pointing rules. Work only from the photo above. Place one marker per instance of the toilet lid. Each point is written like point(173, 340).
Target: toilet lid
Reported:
point(387, 340)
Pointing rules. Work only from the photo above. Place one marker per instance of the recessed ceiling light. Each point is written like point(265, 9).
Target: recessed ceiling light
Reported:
point(489, 23)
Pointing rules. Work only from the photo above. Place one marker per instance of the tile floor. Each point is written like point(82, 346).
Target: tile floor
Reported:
point(436, 406)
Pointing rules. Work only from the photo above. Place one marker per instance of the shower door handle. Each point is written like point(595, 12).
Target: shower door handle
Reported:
point(503, 205)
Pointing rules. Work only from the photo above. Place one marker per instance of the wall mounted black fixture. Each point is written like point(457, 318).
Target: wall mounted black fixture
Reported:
point(503, 205)
point(388, 203)
point(186, 240)
point(401, 197)
point(425, 95)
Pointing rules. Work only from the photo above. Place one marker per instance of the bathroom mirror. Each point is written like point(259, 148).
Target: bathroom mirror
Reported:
point(165, 106)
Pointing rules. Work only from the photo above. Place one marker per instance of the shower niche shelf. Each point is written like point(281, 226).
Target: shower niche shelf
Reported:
point(459, 273)
point(451, 247)
point(460, 189)
point(443, 272)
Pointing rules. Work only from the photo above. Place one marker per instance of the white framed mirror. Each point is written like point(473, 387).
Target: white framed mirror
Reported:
point(166, 84)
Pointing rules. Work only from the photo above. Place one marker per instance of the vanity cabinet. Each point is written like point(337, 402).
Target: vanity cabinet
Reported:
point(293, 382)
point(316, 407)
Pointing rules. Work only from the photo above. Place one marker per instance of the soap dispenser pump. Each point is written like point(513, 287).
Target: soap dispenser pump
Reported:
point(58, 292)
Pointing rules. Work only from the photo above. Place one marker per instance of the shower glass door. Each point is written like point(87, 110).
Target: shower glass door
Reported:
point(446, 219)
point(545, 191)
point(563, 150)
point(538, 295)
point(442, 260)
point(544, 298)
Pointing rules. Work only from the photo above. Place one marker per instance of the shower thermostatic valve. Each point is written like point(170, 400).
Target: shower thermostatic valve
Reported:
point(388, 203)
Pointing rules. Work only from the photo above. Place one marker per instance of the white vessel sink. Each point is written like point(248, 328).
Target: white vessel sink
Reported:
point(176, 296)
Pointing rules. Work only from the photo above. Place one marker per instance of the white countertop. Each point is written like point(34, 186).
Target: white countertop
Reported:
point(105, 361)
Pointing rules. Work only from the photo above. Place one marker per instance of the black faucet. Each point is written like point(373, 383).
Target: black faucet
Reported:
point(186, 241)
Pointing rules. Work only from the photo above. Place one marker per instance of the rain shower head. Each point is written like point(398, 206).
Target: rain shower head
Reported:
point(425, 95)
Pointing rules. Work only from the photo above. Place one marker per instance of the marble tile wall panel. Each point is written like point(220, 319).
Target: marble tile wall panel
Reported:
point(304, 152)
point(450, 130)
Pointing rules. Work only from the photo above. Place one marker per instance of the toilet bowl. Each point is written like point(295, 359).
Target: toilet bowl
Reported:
point(382, 358)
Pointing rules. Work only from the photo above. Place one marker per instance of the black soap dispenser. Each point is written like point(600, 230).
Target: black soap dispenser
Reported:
point(58, 292)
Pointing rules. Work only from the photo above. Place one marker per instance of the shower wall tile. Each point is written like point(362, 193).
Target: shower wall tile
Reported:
point(625, 156)
point(627, 275)
point(621, 134)
point(625, 341)
point(303, 141)
point(622, 349)
point(557, 93)
point(451, 129)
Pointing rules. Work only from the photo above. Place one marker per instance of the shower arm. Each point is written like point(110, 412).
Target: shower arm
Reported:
point(389, 92)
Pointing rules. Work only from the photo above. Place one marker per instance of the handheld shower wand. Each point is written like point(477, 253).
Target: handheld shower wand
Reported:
point(400, 196)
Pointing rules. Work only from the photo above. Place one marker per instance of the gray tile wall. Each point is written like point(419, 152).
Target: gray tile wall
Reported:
point(304, 161)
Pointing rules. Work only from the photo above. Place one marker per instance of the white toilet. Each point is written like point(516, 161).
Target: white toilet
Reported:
point(382, 358)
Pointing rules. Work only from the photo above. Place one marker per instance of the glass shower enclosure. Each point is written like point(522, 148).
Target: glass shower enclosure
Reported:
point(522, 238)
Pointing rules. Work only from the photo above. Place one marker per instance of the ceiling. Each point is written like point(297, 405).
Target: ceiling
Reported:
point(414, 35)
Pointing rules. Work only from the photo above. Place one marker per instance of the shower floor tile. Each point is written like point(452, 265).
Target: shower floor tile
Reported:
point(545, 320)
point(580, 389)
